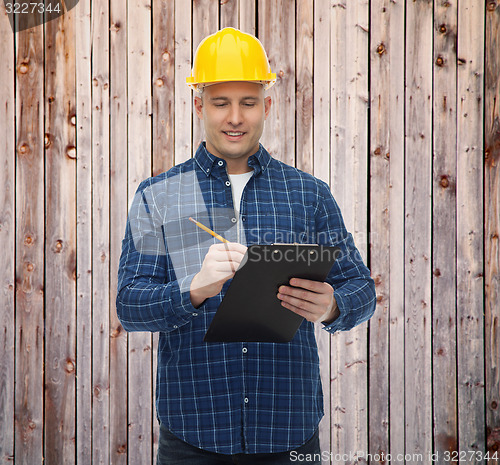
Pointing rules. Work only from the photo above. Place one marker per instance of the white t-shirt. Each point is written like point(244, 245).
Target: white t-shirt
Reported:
point(238, 183)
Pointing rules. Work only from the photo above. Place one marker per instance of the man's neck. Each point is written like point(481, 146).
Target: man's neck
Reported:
point(238, 166)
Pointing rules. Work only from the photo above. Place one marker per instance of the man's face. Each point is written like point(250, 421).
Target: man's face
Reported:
point(233, 114)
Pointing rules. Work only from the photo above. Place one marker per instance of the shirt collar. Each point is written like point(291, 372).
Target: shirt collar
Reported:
point(208, 162)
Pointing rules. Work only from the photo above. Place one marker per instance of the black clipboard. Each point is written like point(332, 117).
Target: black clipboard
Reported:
point(251, 311)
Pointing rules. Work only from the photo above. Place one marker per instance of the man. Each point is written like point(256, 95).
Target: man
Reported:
point(234, 402)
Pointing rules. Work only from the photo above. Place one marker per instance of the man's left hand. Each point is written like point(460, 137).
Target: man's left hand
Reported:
point(311, 299)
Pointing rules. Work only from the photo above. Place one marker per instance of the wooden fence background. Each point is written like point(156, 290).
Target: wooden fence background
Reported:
point(396, 104)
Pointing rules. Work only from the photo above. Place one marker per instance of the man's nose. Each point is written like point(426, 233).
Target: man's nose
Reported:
point(235, 116)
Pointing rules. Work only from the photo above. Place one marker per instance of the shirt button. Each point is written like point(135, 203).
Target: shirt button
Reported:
point(233, 220)
point(228, 183)
point(175, 326)
point(220, 163)
point(244, 350)
point(208, 170)
point(246, 400)
point(195, 314)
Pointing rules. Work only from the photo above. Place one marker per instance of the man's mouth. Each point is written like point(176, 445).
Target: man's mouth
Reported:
point(233, 133)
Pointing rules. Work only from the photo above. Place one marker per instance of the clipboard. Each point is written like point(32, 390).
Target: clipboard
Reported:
point(251, 311)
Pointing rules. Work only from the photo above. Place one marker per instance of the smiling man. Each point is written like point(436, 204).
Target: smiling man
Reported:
point(244, 403)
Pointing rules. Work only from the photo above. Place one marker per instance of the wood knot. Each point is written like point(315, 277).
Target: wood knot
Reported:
point(165, 56)
point(440, 61)
point(71, 152)
point(491, 6)
point(46, 140)
point(494, 405)
point(72, 120)
point(381, 49)
point(281, 73)
point(24, 149)
point(58, 246)
point(437, 272)
point(29, 267)
point(442, 29)
point(31, 425)
point(444, 183)
point(159, 82)
point(117, 331)
point(28, 240)
point(23, 68)
point(51, 99)
point(377, 151)
point(70, 366)
point(122, 449)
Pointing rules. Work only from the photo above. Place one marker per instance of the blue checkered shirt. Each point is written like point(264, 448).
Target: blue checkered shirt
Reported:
point(232, 397)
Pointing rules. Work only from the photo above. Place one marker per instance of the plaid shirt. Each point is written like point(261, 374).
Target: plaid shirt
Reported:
point(232, 397)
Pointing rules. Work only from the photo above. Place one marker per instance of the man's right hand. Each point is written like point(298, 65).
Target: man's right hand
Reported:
point(220, 264)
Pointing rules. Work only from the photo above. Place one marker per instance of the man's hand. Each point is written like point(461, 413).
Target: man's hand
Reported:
point(219, 265)
point(311, 299)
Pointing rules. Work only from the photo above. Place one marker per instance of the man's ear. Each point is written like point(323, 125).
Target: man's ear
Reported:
point(267, 106)
point(198, 106)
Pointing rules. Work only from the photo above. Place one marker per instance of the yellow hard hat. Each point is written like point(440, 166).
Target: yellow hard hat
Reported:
point(230, 55)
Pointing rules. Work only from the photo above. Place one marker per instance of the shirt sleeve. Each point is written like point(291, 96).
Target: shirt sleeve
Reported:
point(354, 289)
point(149, 296)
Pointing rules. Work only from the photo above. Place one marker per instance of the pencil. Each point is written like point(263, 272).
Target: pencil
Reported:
point(208, 230)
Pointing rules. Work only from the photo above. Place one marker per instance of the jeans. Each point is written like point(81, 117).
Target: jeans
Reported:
point(173, 451)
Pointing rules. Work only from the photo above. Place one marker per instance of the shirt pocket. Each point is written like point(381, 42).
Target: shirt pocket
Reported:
point(286, 225)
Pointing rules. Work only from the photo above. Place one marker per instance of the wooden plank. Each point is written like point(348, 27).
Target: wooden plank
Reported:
point(444, 228)
point(418, 176)
point(304, 94)
point(183, 95)
point(229, 13)
point(321, 169)
point(276, 28)
point(29, 247)
point(100, 232)
point(337, 154)
point(321, 91)
point(396, 53)
point(350, 168)
point(7, 240)
point(140, 400)
point(83, 234)
point(164, 85)
point(60, 240)
point(118, 368)
point(470, 281)
point(163, 119)
point(380, 216)
point(492, 226)
point(247, 16)
point(205, 22)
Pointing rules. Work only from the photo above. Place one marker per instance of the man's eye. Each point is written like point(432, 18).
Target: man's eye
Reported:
point(249, 104)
